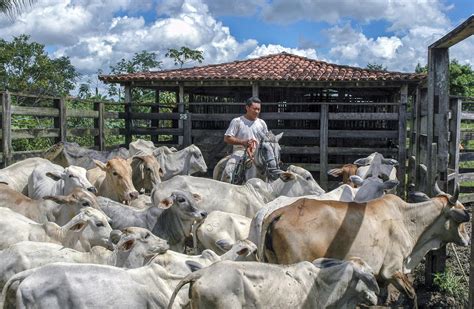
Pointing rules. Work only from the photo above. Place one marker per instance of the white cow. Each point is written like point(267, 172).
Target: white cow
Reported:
point(59, 209)
point(52, 179)
point(378, 166)
point(325, 283)
point(221, 230)
point(17, 174)
point(178, 263)
point(144, 147)
point(183, 162)
point(134, 248)
point(243, 200)
point(65, 285)
point(89, 228)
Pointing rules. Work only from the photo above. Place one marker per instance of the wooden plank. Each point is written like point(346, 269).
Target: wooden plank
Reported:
point(160, 131)
point(402, 138)
point(287, 133)
point(360, 151)
point(464, 199)
point(312, 150)
point(466, 177)
point(81, 113)
point(255, 89)
point(99, 123)
point(455, 106)
point(6, 128)
point(363, 116)
point(465, 189)
point(155, 110)
point(83, 131)
point(467, 135)
point(466, 156)
point(323, 146)
point(35, 133)
point(467, 116)
point(362, 134)
point(22, 155)
point(60, 122)
point(187, 128)
point(114, 115)
point(298, 103)
point(461, 32)
point(35, 111)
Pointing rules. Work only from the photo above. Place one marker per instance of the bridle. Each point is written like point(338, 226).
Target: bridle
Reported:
point(264, 160)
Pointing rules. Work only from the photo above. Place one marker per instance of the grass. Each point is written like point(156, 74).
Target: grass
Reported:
point(451, 285)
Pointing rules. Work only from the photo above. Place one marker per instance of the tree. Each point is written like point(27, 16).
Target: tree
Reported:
point(184, 55)
point(141, 62)
point(376, 67)
point(12, 7)
point(26, 67)
point(461, 78)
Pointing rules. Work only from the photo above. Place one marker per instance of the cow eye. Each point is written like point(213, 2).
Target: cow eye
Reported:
point(181, 200)
point(99, 224)
point(71, 176)
point(115, 173)
point(147, 235)
point(86, 204)
point(148, 169)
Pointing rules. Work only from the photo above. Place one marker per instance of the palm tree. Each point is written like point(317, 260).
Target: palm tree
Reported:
point(13, 7)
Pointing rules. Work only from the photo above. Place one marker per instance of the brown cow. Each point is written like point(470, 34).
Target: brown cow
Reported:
point(113, 180)
point(392, 236)
point(347, 170)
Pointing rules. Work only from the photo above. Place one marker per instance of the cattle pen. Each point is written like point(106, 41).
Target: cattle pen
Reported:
point(330, 115)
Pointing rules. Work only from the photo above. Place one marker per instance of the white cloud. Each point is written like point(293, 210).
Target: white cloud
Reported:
point(216, 7)
point(269, 49)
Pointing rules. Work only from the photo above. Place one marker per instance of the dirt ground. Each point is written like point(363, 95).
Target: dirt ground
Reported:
point(432, 297)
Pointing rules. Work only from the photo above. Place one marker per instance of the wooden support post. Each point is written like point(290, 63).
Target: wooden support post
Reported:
point(454, 140)
point(99, 123)
point(155, 123)
point(323, 146)
point(187, 128)
point(6, 129)
point(255, 89)
point(128, 111)
point(181, 111)
point(471, 271)
point(60, 122)
point(402, 138)
point(417, 152)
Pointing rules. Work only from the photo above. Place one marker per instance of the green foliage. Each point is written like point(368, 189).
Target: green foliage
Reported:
point(461, 78)
point(26, 67)
point(184, 55)
point(450, 284)
point(376, 67)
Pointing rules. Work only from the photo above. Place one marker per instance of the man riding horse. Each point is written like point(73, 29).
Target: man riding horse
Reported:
point(247, 134)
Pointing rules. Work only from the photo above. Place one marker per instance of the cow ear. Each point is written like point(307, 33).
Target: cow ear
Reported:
point(166, 203)
point(390, 162)
point(197, 197)
point(459, 215)
point(100, 165)
point(53, 175)
point(157, 152)
point(287, 176)
point(335, 172)
point(60, 199)
point(140, 158)
point(279, 136)
point(160, 171)
point(224, 244)
point(357, 180)
point(126, 246)
point(115, 236)
point(193, 266)
point(78, 227)
point(387, 185)
point(362, 162)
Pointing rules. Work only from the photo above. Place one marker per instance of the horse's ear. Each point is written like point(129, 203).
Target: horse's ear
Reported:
point(279, 136)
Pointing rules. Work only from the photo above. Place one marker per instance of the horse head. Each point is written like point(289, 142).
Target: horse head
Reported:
point(267, 156)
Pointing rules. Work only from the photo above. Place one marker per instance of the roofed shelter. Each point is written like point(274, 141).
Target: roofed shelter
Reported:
point(330, 114)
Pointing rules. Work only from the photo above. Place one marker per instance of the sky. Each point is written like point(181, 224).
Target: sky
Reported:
point(95, 34)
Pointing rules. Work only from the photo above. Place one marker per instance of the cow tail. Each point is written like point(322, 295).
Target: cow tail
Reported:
point(17, 277)
point(191, 278)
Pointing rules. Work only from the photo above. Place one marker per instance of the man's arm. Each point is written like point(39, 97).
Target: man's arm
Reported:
point(232, 140)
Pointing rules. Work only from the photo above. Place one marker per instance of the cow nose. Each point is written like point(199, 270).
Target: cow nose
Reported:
point(133, 195)
point(92, 189)
point(203, 214)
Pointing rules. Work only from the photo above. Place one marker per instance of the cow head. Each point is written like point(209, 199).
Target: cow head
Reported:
point(146, 172)
point(136, 246)
point(73, 177)
point(184, 206)
point(375, 165)
point(196, 160)
point(93, 226)
point(119, 176)
point(371, 188)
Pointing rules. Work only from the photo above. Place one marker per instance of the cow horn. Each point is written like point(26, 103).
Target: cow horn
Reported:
point(459, 215)
point(437, 190)
point(453, 199)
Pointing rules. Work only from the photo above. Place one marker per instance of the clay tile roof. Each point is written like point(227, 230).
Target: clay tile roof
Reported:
point(277, 67)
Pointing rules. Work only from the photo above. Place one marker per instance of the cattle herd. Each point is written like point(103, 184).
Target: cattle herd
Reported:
point(84, 229)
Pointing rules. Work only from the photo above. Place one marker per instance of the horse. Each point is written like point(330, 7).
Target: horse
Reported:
point(265, 163)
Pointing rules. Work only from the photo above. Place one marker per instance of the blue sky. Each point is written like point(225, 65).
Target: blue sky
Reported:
point(98, 33)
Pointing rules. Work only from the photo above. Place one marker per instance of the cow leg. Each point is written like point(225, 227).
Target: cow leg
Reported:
point(401, 282)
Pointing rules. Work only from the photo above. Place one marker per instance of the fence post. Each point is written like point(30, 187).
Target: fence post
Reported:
point(181, 111)
point(187, 128)
point(6, 128)
point(454, 141)
point(99, 123)
point(128, 115)
point(60, 121)
point(323, 146)
point(402, 138)
point(155, 123)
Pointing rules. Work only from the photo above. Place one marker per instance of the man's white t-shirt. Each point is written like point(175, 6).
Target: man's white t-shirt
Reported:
point(243, 128)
